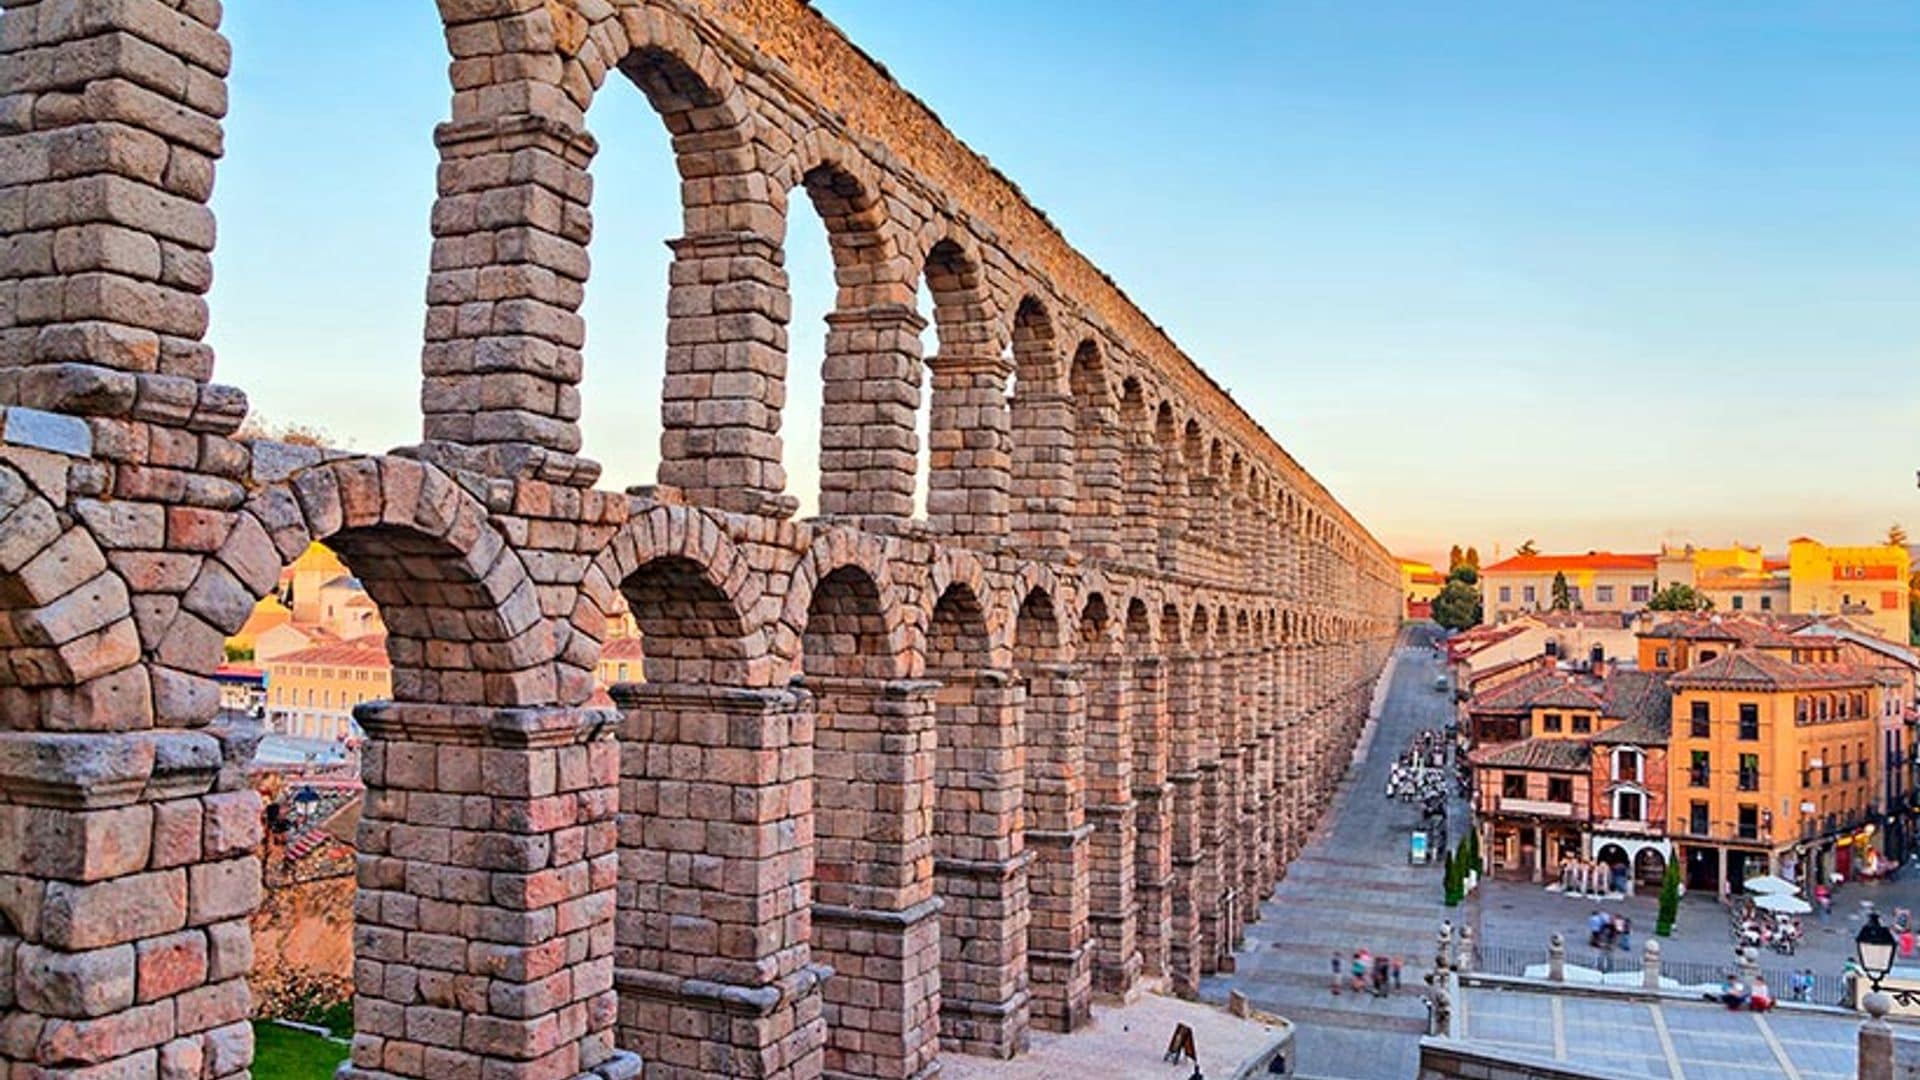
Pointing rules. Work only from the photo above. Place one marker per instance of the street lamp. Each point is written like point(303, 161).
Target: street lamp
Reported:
point(1873, 947)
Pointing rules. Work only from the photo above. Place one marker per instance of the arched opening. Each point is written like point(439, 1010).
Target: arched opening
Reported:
point(871, 378)
point(1059, 964)
point(979, 837)
point(875, 919)
point(711, 837)
point(1096, 455)
point(1649, 867)
point(968, 442)
point(1184, 708)
point(1042, 484)
point(1140, 533)
point(1153, 834)
point(1116, 954)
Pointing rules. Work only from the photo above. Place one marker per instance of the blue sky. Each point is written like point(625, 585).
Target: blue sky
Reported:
point(1595, 274)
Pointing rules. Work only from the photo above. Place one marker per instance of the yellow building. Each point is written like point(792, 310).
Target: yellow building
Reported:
point(1741, 578)
point(1596, 581)
point(1419, 584)
point(1866, 584)
point(311, 692)
point(1771, 763)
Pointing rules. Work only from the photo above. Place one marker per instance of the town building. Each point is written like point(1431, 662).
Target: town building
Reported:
point(1420, 583)
point(1771, 764)
point(311, 692)
point(1866, 584)
point(1580, 774)
point(1596, 581)
point(1742, 579)
point(1577, 638)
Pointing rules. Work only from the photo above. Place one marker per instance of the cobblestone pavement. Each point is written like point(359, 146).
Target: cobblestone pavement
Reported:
point(1352, 888)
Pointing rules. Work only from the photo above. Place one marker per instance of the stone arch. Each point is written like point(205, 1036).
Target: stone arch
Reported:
point(686, 585)
point(1041, 486)
point(833, 549)
point(1097, 455)
point(957, 568)
point(463, 618)
point(501, 393)
point(69, 648)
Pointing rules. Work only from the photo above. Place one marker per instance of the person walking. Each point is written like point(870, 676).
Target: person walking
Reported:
point(1396, 974)
point(1336, 973)
point(1361, 962)
point(1382, 968)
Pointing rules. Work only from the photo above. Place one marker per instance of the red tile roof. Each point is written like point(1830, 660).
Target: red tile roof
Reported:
point(360, 652)
point(1592, 560)
point(1552, 755)
point(1744, 668)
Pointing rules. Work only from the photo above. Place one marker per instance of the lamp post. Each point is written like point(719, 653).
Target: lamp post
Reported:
point(1874, 947)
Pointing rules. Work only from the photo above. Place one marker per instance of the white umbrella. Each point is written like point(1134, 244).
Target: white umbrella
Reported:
point(1767, 883)
point(1784, 904)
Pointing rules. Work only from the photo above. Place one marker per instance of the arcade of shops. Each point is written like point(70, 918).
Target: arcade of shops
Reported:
point(1536, 852)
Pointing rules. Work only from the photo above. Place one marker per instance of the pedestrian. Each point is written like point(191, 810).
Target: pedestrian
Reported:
point(1625, 926)
point(1382, 967)
point(1361, 962)
point(1336, 973)
point(1396, 973)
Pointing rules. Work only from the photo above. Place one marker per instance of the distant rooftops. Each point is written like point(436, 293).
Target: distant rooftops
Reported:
point(1592, 560)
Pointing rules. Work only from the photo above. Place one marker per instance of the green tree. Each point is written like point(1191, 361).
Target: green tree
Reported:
point(1896, 536)
point(1457, 606)
point(1679, 596)
point(1456, 877)
point(1528, 548)
point(1562, 595)
point(1473, 852)
point(1473, 557)
point(1669, 900)
point(1456, 558)
point(1466, 574)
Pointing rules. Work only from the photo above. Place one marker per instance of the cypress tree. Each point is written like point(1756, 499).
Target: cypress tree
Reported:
point(1669, 900)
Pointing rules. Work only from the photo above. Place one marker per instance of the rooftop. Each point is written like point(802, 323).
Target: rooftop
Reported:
point(361, 652)
point(1745, 668)
point(1592, 560)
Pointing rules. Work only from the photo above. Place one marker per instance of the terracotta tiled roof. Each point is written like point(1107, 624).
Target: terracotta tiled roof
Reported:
point(360, 652)
point(1592, 560)
point(1747, 668)
point(1569, 620)
point(622, 648)
point(1522, 694)
point(1643, 704)
point(1552, 755)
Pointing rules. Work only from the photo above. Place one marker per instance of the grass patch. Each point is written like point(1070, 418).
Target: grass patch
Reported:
point(282, 1053)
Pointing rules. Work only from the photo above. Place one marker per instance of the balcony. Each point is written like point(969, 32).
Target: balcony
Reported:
point(1538, 807)
point(1629, 826)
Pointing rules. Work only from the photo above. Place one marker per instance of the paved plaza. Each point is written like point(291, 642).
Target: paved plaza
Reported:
point(1352, 888)
point(1665, 1038)
point(1131, 1041)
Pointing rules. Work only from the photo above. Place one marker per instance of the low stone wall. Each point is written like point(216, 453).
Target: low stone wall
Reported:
point(303, 948)
point(1441, 1059)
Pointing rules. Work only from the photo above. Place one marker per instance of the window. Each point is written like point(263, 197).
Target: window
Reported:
point(1573, 595)
point(1698, 722)
point(1603, 594)
point(1506, 594)
point(1550, 722)
point(1766, 603)
point(1662, 658)
point(1641, 593)
point(1560, 789)
point(1626, 765)
point(1529, 594)
point(1749, 822)
point(1513, 785)
point(1697, 819)
point(1627, 806)
point(1749, 772)
point(1800, 710)
point(1739, 602)
point(623, 672)
point(1582, 725)
point(1707, 654)
point(1749, 721)
point(1699, 769)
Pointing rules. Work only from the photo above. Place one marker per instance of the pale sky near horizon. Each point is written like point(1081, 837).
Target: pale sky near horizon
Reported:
point(1600, 275)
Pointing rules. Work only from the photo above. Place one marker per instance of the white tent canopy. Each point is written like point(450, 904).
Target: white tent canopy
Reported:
point(1767, 885)
point(1784, 904)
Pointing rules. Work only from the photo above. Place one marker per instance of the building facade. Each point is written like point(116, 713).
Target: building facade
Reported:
point(1867, 584)
point(1596, 581)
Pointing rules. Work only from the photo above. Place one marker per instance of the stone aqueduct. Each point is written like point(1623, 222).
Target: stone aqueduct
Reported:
point(890, 787)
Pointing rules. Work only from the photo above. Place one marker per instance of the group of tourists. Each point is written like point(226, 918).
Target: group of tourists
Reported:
point(1420, 772)
point(1608, 932)
point(1366, 973)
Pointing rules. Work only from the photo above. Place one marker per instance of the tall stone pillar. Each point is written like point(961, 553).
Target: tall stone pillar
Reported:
point(712, 959)
point(1175, 508)
point(1183, 942)
point(1041, 500)
point(1060, 950)
point(1098, 468)
point(876, 920)
point(1153, 848)
point(970, 447)
point(726, 373)
point(1140, 531)
point(1111, 811)
point(1232, 794)
point(981, 866)
point(1257, 881)
point(484, 937)
point(1211, 876)
point(868, 445)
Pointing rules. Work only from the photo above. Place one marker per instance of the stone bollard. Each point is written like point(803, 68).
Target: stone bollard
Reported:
point(1749, 963)
point(1557, 958)
point(1650, 965)
point(1443, 947)
point(1876, 1040)
point(1464, 961)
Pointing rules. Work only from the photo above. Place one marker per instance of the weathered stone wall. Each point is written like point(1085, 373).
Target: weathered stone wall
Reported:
point(891, 786)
